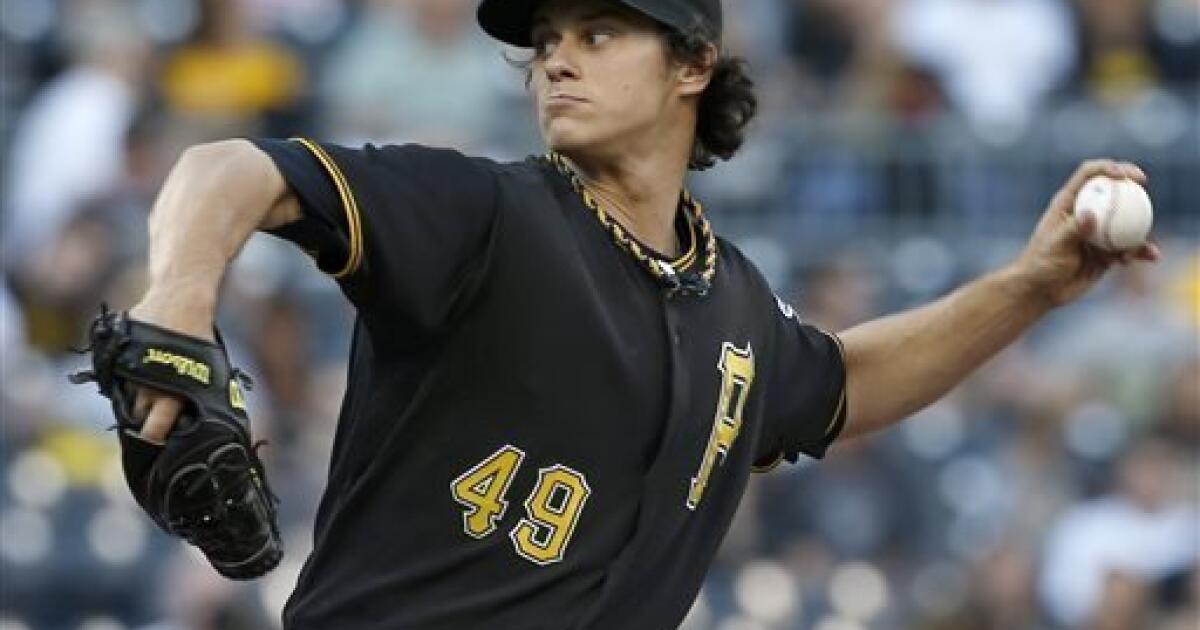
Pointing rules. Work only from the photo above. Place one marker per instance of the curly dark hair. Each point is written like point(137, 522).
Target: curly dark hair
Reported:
point(727, 105)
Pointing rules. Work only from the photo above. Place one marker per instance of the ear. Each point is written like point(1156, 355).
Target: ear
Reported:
point(694, 76)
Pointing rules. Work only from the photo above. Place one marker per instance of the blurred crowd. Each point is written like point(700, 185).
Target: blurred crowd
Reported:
point(904, 146)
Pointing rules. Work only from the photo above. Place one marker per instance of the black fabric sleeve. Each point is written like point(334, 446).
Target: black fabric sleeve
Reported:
point(403, 229)
point(806, 395)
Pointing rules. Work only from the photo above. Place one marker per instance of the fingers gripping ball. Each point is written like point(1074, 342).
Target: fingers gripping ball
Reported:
point(1122, 212)
point(205, 482)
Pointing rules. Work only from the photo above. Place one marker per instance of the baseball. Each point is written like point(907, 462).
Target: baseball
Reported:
point(1122, 210)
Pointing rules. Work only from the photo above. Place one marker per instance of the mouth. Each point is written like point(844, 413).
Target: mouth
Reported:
point(562, 98)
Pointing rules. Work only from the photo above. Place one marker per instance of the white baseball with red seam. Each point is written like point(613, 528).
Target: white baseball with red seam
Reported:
point(1122, 210)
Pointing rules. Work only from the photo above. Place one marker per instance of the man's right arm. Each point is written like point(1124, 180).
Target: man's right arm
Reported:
point(403, 229)
point(215, 197)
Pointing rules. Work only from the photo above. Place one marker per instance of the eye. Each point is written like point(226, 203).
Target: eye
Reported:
point(598, 35)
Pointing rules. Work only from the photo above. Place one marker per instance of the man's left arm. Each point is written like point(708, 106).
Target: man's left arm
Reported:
point(898, 364)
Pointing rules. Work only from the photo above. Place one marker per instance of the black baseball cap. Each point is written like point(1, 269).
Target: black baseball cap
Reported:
point(511, 21)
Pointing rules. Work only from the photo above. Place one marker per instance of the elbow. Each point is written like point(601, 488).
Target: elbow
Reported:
point(227, 170)
point(204, 168)
point(209, 156)
point(237, 174)
point(202, 172)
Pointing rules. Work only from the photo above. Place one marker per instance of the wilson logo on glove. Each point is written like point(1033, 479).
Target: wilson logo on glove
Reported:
point(183, 365)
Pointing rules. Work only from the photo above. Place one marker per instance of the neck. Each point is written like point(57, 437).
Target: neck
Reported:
point(638, 189)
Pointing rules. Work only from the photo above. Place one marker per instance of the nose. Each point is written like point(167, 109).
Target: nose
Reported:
point(560, 64)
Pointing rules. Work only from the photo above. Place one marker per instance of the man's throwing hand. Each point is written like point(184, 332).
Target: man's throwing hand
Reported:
point(1058, 260)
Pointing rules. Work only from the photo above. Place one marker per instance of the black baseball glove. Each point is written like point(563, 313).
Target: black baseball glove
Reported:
point(205, 484)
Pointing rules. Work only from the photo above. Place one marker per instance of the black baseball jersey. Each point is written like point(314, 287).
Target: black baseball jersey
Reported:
point(535, 434)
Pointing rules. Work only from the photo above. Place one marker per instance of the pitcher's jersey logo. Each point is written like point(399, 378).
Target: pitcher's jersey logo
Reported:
point(737, 374)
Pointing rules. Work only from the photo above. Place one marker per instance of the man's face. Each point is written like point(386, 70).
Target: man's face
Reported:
point(600, 75)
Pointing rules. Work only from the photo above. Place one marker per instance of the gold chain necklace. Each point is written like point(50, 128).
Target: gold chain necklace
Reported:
point(663, 271)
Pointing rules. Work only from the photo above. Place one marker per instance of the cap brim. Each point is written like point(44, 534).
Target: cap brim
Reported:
point(510, 21)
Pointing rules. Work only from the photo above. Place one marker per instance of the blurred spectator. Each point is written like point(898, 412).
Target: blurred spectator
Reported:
point(845, 51)
point(1001, 597)
point(1123, 604)
point(1116, 60)
point(840, 293)
point(1120, 352)
point(229, 80)
point(1176, 40)
point(997, 59)
point(97, 253)
point(65, 280)
point(418, 71)
point(12, 328)
point(68, 144)
point(1186, 616)
point(822, 38)
point(856, 504)
point(1183, 291)
point(754, 30)
point(15, 360)
point(1128, 46)
point(1104, 553)
point(1181, 408)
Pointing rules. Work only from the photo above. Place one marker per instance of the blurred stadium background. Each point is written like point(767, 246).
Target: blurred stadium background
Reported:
point(904, 146)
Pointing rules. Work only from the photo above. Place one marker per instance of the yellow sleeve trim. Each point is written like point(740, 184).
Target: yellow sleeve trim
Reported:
point(837, 411)
point(349, 205)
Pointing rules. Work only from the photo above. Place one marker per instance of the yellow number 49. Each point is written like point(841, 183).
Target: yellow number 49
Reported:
point(552, 509)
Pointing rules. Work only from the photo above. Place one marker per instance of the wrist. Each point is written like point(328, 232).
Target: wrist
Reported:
point(188, 308)
point(1023, 284)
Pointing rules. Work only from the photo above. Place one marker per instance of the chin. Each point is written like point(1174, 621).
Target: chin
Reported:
point(567, 136)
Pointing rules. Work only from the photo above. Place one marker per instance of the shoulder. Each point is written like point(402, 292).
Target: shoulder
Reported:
point(414, 159)
point(740, 270)
point(420, 155)
point(529, 187)
point(530, 171)
point(750, 285)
